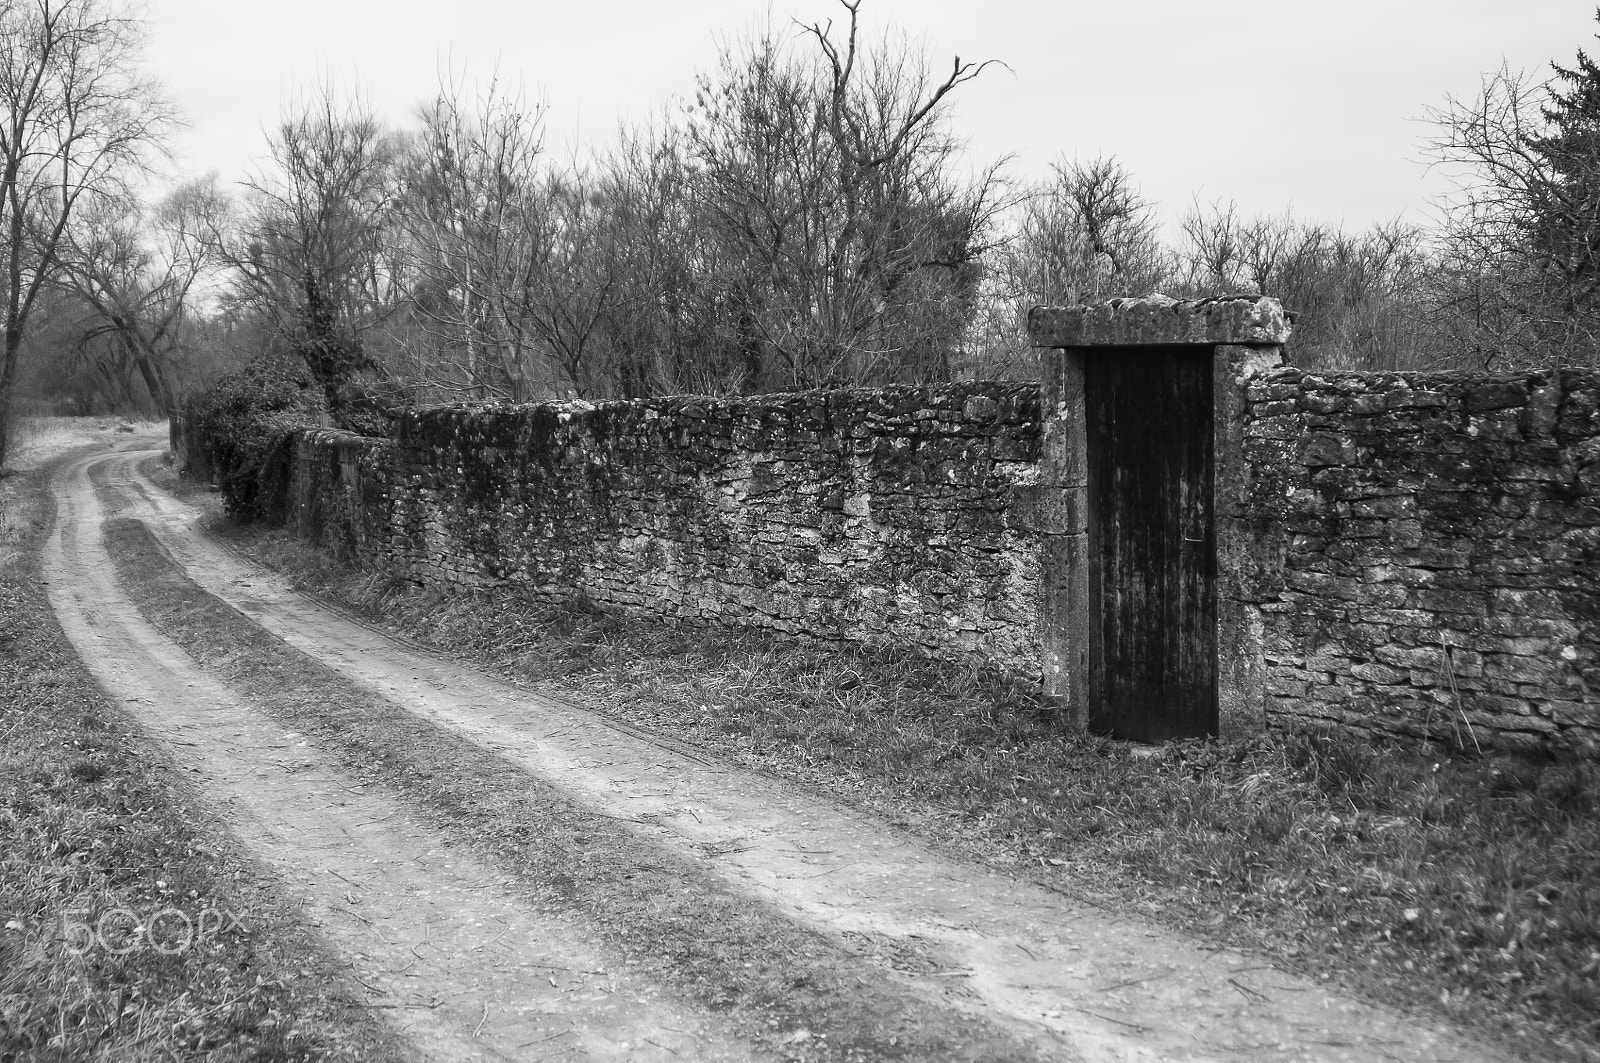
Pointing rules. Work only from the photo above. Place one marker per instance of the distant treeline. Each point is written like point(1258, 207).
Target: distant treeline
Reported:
point(805, 217)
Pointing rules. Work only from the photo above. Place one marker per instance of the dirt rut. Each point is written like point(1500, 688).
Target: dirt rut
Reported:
point(1107, 987)
point(462, 964)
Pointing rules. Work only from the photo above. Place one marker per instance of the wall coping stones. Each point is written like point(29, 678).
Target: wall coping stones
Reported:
point(1156, 320)
point(961, 400)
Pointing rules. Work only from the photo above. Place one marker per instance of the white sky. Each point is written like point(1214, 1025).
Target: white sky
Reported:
point(1314, 105)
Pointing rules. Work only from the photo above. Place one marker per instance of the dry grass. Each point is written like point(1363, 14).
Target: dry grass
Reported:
point(94, 819)
point(35, 439)
point(661, 912)
point(1464, 885)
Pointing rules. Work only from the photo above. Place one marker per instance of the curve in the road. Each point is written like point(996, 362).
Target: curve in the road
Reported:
point(454, 957)
point(1112, 988)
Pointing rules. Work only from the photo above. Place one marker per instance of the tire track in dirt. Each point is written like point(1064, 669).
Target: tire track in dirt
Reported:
point(1113, 988)
point(450, 952)
point(805, 993)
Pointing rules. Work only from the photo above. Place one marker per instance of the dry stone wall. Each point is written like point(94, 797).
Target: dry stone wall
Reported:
point(1424, 552)
point(339, 492)
point(901, 515)
point(1406, 554)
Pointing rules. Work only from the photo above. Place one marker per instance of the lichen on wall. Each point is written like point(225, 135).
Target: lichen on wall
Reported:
point(1425, 552)
point(880, 516)
point(1405, 554)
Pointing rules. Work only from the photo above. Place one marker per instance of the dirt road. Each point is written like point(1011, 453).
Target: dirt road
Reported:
point(461, 958)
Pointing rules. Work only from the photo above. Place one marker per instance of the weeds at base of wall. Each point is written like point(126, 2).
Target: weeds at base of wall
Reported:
point(1463, 885)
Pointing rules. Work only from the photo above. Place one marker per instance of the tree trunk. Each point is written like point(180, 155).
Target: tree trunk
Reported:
point(8, 374)
point(154, 381)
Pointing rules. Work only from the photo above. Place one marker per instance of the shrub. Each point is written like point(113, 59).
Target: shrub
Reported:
point(243, 423)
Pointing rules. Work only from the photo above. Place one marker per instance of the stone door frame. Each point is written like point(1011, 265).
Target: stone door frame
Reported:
point(1245, 335)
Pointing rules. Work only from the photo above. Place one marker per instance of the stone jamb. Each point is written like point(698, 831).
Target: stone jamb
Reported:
point(1064, 542)
point(1246, 336)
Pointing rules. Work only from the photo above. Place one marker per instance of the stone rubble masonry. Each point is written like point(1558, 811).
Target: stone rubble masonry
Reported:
point(1425, 551)
point(1406, 554)
point(897, 516)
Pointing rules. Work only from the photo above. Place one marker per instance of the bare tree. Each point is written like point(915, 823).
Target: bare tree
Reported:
point(576, 282)
point(829, 179)
point(473, 214)
point(77, 118)
point(1213, 259)
point(1086, 234)
point(1521, 277)
point(667, 326)
point(1361, 299)
point(131, 273)
point(314, 252)
point(1083, 234)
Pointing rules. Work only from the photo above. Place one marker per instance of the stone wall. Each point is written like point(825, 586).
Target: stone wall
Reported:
point(904, 515)
point(1423, 552)
point(1405, 554)
point(338, 492)
point(192, 455)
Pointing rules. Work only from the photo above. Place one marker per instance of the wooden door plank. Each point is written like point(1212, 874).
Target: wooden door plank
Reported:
point(1152, 668)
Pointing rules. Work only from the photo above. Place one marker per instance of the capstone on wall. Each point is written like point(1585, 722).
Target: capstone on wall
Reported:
point(1423, 552)
point(902, 515)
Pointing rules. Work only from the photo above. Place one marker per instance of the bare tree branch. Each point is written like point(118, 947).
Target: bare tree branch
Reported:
point(79, 119)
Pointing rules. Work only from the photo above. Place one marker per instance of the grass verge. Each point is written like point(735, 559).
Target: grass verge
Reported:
point(805, 994)
point(130, 927)
point(1468, 887)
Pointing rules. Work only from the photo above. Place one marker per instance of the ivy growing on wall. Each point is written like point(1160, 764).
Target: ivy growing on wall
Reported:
point(244, 422)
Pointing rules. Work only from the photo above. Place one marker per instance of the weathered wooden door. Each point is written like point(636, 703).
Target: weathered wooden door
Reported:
point(1152, 547)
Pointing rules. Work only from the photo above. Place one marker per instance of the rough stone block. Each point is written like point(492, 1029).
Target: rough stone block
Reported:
point(1239, 320)
point(1325, 450)
point(1383, 675)
point(1495, 396)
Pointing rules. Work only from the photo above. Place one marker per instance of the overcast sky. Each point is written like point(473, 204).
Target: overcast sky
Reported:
point(1314, 105)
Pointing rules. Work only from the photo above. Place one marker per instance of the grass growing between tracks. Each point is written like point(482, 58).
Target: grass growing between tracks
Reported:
point(1462, 885)
point(130, 929)
point(801, 994)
